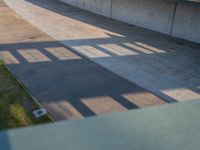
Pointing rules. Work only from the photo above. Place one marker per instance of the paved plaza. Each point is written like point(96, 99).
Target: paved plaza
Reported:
point(167, 68)
point(79, 64)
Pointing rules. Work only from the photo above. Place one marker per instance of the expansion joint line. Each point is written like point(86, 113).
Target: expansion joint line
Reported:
point(111, 5)
point(173, 18)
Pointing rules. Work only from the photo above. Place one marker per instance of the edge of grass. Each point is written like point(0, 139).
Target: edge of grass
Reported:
point(31, 100)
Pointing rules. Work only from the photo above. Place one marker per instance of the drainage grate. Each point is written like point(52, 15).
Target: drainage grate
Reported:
point(39, 112)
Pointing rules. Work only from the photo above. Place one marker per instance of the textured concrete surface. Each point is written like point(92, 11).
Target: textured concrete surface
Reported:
point(155, 14)
point(67, 84)
point(102, 7)
point(174, 127)
point(149, 59)
point(187, 22)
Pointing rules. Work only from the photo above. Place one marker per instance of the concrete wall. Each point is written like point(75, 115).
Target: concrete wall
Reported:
point(187, 22)
point(156, 15)
point(102, 7)
point(152, 14)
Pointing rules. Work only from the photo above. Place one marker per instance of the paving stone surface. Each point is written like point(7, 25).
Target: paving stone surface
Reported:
point(67, 84)
point(167, 68)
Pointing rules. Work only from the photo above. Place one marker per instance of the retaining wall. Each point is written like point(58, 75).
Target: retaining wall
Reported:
point(152, 14)
point(102, 7)
point(187, 22)
point(181, 20)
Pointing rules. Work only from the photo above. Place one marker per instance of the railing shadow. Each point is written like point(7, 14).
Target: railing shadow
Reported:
point(146, 58)
point(57, 75)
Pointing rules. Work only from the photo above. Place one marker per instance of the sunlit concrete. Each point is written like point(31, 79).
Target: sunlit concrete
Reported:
point(103, 104)
point(8, 58)
point(139, 99)
point(33, 55)
point(90, 51)
point(62, 53)
point(62, 110)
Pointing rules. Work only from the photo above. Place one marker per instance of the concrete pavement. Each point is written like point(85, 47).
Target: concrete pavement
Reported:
point(167, 68)
point(67, 84)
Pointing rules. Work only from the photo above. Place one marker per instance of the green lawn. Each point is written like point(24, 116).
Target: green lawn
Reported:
point(16, 104)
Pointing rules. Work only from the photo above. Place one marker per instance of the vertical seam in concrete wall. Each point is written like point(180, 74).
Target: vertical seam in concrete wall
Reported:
point(173, 19)
point(111, 5)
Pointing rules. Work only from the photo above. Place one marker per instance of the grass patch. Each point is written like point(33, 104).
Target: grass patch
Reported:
point(16, 104)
